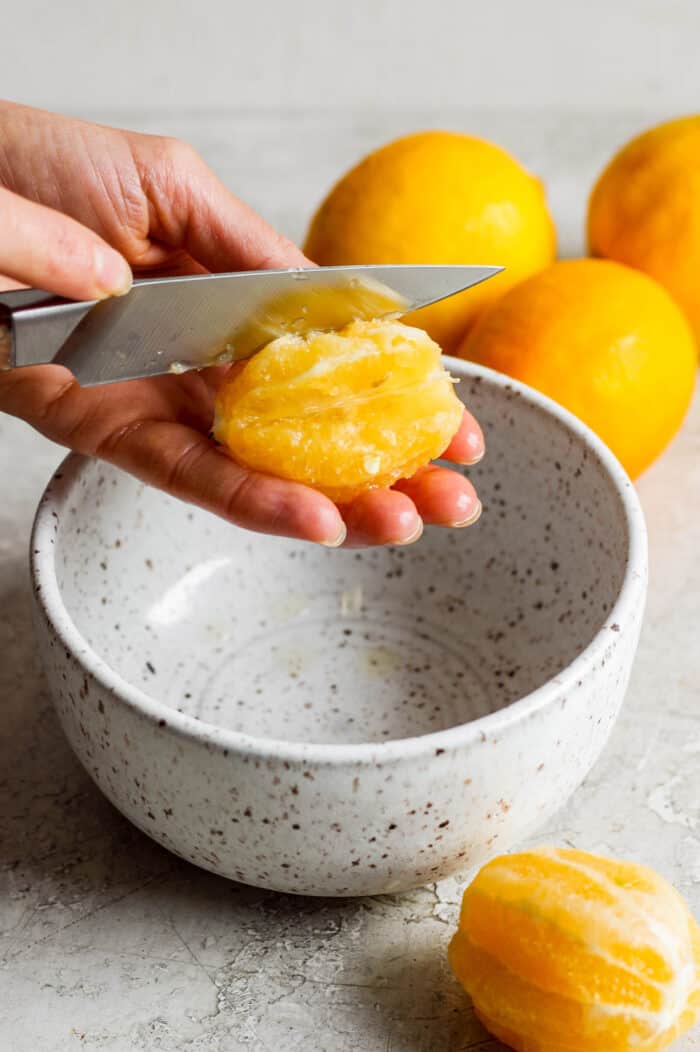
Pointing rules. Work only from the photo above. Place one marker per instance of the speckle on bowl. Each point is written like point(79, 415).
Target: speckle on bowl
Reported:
point(347, 722)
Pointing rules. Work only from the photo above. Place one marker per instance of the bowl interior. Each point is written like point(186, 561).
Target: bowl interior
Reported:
point(290, 641)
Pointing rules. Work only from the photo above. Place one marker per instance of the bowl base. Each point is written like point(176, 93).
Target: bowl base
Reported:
point(329, 679)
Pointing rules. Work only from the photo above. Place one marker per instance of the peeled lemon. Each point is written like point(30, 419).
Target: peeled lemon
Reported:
point(343, 411)
point(561, 949)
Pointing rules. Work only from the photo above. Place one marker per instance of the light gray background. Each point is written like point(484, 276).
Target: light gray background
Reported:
point(109, 944)
point(170, 54)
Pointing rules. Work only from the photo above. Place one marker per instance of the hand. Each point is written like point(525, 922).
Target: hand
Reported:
point(81, 208)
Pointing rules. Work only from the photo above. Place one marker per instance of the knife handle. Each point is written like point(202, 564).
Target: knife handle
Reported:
point(34, 325)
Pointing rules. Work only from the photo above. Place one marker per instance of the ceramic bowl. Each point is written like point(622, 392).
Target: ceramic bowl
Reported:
point(347, 722)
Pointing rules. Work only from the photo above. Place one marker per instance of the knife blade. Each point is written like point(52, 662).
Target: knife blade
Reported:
point(174, 324)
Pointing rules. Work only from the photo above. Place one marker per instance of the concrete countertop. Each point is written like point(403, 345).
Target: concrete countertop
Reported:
point(108, 942)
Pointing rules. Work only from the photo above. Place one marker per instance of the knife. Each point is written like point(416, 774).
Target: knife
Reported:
point(174, 324)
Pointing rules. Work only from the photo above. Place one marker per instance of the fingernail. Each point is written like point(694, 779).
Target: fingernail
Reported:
point(476, 452)
point(470, 520)
point(475, 460)
point(337, 540)
point(415, 536)
point(113, 272)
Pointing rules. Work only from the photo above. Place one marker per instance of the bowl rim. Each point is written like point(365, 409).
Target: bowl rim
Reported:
point(632, 592)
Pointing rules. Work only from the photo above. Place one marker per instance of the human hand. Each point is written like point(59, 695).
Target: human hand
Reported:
point(82, 207)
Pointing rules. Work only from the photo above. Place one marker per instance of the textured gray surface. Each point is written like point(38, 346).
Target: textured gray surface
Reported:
point(107, 942)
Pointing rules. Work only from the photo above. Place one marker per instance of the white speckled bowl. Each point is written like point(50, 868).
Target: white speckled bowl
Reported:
point(347, 723)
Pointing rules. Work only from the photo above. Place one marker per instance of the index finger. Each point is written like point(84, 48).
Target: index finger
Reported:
point(192, 209)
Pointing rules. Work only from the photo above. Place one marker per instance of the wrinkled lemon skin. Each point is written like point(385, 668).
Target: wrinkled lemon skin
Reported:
point(344, 412)
point(564, 950)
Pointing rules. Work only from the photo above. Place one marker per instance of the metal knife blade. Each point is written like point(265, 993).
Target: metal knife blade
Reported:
point(175, 324)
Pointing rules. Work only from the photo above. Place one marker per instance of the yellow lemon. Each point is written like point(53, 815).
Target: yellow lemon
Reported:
point(645, 210)
point(438, 197)
point(607, 342)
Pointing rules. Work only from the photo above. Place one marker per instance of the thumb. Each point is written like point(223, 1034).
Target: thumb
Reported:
point(48, 250)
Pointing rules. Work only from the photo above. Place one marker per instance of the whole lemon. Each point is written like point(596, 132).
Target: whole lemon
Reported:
point(438, 197)
point(603, 340)
point(645, 210)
